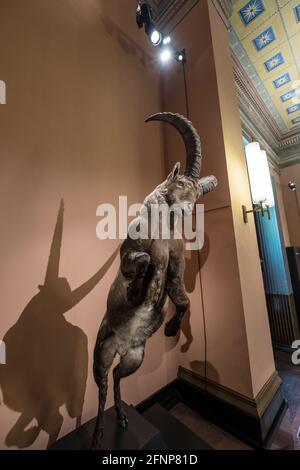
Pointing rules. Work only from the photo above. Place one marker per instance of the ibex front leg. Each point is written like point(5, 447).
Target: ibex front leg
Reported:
point(176, 289)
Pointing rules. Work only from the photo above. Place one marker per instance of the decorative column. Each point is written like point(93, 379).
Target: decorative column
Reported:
point(227, 352)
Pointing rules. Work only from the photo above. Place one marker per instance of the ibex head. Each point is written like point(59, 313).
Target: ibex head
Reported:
point(184, 190)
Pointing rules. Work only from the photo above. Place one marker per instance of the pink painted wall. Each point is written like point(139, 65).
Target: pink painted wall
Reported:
point(78, 90)
point(79, 86)
point(239, 349)
point(291, 201)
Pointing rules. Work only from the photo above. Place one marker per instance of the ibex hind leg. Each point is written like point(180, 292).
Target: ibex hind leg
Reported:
point(128, 364)
point(104, 354)
point(177, 294)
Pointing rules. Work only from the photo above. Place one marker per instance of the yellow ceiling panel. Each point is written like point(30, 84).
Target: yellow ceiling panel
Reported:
point(282, 83)
point(269, 31)
point(290, 124)
point(248, 15)
point(290, 13)
point(275, 62)
point(266, 38)
point(285, 99)
point(295, 123)
point(295, 43)
point(290, 112)
point(283, 2)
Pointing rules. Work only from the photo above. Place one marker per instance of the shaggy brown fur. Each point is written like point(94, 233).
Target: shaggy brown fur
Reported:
point(150, 271)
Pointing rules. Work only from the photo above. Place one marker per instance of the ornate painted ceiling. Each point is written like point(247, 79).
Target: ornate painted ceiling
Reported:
point(265, 41)
point(265, 37)
point(168, 12)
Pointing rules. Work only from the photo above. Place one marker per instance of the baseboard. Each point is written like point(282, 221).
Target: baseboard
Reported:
point(283, 347)
point(253, 421)
point(238, 417)
point(168, 396)
point(252, 406)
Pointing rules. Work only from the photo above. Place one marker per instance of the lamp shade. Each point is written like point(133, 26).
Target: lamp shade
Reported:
point(259, 175)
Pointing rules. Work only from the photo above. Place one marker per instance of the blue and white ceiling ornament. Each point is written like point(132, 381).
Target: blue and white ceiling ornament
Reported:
point(297, 12)
point(294, 108)
point(274, 62)
point(288, 96)
point(282, 80)
point(265, 38)
point(252, 10)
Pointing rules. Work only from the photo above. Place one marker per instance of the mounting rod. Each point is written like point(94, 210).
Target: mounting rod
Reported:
point(257, 208)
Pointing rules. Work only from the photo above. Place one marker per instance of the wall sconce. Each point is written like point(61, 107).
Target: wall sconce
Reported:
point(260, 181)
point(262, 207)
point(293, 187)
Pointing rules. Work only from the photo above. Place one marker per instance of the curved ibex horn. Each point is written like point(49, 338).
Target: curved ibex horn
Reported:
point(190, 137)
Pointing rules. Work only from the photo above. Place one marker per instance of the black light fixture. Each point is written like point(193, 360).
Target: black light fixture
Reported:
point(180, 56)
point(292, 185)
point(144, 19)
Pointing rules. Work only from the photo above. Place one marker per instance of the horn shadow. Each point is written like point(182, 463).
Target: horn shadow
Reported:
point(47, 356)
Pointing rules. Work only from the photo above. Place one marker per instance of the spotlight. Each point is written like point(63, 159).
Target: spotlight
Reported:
point(292, 186)
point(143, 15)
point(165, 56)
point(144, 19)
point(166, 40)
point(155, 37)
point(180, 56)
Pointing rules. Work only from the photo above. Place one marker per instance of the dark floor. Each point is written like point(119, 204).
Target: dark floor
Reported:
point(211, 434)
point(285, 436)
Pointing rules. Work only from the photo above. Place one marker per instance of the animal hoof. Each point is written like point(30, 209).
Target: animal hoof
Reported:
point(123, 422)
point(96, 447)
point(96, 444)
point(172, 328)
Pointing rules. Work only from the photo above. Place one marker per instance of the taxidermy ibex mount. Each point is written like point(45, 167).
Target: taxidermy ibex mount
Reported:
point(150, 271)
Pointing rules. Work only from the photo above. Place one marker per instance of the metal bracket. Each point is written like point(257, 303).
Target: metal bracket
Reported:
point(257, 208)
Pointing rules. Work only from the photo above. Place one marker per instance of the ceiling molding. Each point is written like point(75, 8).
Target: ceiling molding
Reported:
point(289, 156)
point(256, 116)
point(288, 136)
point(256, 124)
point(168, 13)
point(224, 8)
point(290, 141)
point(249, 93)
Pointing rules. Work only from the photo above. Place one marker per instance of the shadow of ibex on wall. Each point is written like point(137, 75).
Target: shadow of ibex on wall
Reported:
point(47, 357)
point(151, 269)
